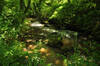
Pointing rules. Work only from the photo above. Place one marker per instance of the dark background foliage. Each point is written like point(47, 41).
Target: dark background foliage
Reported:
point(82, 16)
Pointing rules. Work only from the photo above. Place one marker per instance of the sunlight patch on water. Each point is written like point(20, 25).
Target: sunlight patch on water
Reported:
point(50, 30)
point(36, 24)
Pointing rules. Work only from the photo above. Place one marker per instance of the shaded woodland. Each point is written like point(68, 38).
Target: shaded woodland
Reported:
point(49, 32)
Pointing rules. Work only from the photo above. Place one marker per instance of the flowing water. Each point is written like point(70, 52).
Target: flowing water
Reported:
point(39, 33)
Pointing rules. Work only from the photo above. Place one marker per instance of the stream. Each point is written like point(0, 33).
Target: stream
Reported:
point(38, 32)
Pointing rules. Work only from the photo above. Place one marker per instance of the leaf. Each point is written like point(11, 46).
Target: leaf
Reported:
point(26, 3)
point(31, 5)
point(3, 36)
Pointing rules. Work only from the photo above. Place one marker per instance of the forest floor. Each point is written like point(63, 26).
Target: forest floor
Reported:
point(35, 37)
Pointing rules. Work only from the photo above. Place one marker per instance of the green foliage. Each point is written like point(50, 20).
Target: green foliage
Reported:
point(70, 11)
point(77, 60)
point(10, 24)
point(62, 12)
point(1, 5)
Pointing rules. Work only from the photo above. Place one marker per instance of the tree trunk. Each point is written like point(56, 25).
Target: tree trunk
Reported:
point(22, 5)
point(26, 9)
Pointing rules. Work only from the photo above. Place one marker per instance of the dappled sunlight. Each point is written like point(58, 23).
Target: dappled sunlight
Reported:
point(37, 43)
point(30, 52)
point(26, 57)
point(43, 50)
point(49, 30)
point(32, 47)
point(49, 33)
point(30, 40)
point(36, 24)
point(25, 49)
